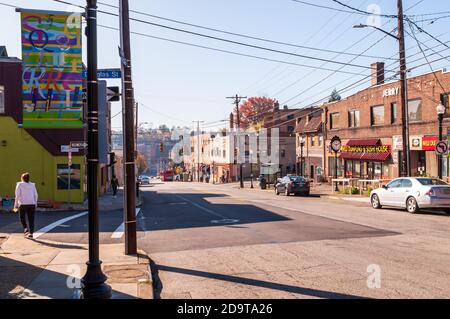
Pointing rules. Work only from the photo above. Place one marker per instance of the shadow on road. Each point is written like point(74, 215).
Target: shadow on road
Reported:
point(258, 283)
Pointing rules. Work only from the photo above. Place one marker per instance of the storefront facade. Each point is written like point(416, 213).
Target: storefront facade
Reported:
point(370, 127)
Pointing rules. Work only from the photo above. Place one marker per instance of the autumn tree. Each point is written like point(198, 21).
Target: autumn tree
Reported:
point(142, 164)
point(255, 109)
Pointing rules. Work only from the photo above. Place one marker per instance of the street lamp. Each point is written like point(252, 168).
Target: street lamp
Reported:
point(302, 145)
point(251, 169)
point(440, 109)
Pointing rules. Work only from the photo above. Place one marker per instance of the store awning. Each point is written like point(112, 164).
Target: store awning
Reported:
point(369, 157)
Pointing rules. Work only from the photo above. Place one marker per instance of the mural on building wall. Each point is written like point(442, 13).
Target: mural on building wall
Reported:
point(52, 69)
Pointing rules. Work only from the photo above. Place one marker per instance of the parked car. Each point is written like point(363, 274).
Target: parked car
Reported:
point(293, 185)
point(413, 194)
point(144, 180)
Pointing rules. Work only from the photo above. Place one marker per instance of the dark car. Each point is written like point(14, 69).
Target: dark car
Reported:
point(296, 185)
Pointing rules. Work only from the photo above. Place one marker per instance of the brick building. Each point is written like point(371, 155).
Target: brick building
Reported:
point(370, 127)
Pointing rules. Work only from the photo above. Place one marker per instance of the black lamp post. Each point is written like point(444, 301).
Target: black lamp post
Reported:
point(302, 145)
point(440, 109)
point(93, 282)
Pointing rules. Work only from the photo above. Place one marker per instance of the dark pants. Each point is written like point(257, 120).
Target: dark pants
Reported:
point(26, 212)
point(114, 189)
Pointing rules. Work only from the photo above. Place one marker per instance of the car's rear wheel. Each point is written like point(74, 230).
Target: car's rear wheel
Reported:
point(447, 211)
point(376, 202)
point(412, 206)
point(276, 191)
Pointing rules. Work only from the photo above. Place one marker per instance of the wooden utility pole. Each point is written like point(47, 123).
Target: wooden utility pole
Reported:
point(128, 131)
point(94, 286)
point(406, 158)
point(237, 100)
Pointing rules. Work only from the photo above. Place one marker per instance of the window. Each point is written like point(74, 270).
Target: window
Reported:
point(313, 140)
point(415, 110)
point(63, 176)
point(2, 99)
point(406, 183)
point(353, 118)
point(320, 140)
point(395, 184)
point(291, 129)
point(334, 121)
point(290, 117)
point(394, 114)
point(377, 115)
point(431, 182)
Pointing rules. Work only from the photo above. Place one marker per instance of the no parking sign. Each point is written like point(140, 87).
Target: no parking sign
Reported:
point(442, 148)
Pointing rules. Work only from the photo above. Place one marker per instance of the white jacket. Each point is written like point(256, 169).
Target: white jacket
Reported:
point(26, 194)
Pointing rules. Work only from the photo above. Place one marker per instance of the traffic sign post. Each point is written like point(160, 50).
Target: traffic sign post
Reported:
point(442, 148)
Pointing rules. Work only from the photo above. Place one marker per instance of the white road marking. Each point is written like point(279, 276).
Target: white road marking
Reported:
point(48, 228)
point(202, 208)
point(120, 231)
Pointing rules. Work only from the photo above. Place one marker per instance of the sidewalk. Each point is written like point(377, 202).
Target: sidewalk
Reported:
point(44, 270)
point(106, 202)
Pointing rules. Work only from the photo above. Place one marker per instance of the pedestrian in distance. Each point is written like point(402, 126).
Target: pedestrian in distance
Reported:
point(26, 202)
point(114, 185)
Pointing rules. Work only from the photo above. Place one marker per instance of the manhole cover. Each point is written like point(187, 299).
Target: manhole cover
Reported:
point(225, 221)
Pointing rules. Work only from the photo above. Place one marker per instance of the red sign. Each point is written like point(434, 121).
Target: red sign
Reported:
point(429, 143)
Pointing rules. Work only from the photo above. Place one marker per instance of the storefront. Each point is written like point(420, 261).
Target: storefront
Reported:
point(423, 154)
point(366, 159)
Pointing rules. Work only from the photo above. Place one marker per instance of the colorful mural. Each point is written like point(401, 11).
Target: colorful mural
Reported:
point(52, 69)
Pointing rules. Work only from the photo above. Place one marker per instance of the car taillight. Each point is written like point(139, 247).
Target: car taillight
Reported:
point(430, 192)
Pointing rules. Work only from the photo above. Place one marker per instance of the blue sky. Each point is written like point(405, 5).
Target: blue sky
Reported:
point(177, 84)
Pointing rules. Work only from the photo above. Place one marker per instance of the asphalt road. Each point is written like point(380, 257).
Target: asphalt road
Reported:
point(221, 242)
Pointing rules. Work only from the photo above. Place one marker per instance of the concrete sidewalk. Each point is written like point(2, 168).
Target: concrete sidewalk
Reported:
point(35, 269)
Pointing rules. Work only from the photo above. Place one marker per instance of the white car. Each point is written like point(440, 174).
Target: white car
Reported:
point(413, 194)
point(144, 180)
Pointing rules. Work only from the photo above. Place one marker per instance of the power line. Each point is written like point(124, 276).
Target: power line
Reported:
point(393, 16)
point(227, 51)
point(242, 35)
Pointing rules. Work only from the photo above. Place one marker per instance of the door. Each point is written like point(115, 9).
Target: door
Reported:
point(312, 171)
point(387, 195)
point(402, 193)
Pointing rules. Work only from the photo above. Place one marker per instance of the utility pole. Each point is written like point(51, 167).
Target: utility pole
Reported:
point(93, 282)
point(406, 158)
point(237, 99)
point(128, 123)
point(198, 149)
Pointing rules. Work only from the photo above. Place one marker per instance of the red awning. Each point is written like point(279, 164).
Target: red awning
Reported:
point(372, 142)
point(370, 157)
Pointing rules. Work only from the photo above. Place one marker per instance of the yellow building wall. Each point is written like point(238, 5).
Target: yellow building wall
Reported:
point(20, 152)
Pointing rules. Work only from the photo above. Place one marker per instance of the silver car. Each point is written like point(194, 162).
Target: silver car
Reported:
point(413, 194)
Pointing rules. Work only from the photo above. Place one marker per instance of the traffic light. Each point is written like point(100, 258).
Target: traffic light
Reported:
point(161, 147)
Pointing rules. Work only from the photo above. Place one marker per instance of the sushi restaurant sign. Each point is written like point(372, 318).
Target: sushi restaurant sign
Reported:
point(366, 149)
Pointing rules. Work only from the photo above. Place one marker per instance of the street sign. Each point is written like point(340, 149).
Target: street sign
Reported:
point(113, 94)
point(106, 73)
point(442, 148)
point(68, 149)
point(78, 145)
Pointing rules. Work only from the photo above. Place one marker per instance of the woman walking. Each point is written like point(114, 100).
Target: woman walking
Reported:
point(26, 203)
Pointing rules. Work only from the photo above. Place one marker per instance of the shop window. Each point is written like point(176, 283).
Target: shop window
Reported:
point(394, 114)
point(334, 121)
point(377, 115)
point(415, 110)
point(63, 176)
point(331, 166)
point(353, 119)
point(2, 99)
